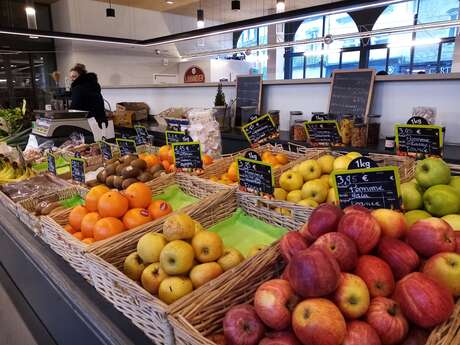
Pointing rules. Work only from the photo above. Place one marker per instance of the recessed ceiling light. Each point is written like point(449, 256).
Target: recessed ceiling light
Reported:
point(169, 2)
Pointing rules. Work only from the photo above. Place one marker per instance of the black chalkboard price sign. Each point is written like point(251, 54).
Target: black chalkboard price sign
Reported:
point(106, 150)
point(419, 139)
point(351, 92)
point(51, 163)
point(323, 133)
point(255, 176)
point(260, 130)
point(372, 188)
point(142, 135)
point(77, 169)
point(126, 146)
point(187, 155)
point(177, 137)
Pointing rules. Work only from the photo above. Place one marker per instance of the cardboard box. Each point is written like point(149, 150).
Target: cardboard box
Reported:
point(128, 112)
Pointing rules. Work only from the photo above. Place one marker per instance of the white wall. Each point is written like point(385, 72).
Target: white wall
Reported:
point(394, 100)
point(228, 69)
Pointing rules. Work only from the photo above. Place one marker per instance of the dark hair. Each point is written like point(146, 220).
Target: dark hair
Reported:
point(382, 73)
point(79, 68)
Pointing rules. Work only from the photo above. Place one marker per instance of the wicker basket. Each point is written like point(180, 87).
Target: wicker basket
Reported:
point(10, 205)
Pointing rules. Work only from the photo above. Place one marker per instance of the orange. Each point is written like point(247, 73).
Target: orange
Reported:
point(78, 235)
point(69, 228)
point(207, 159)
point(164, 152)
point(139, 195)
point(232, 172)
point(88, 240)
point(159, 208)
point(88, 222)
point(93, 197)
point(107, 227)
point(76, 216)
point(112, 204)
point(282, 158)
point(151, 160)
point(166, 165)
point(135, 217)
point(265, 155)
point(271, 160)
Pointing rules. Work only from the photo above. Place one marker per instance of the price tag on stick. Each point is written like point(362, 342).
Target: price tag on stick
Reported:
point(106, 150)
point(51, 163)
point(372, 188)
point(255, 176)
point(187, 155)
point(323, 133)
point(177, 137)
point(127, 146)
point(424, 139)
point(260, 130)
point(77, 169)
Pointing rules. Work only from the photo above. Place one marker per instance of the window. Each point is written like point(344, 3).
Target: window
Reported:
point(253, 38)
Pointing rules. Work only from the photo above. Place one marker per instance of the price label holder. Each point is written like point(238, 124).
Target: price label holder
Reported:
point(319, 117)
point(126, 146)
point(77, 169)
point(177, 137)
point(253, 155)
point(372, 188)
point(417, 120)
point(142, 135)
point(362, 163)
point(187, 155)
point(255, 176)
point(106, 150)
point(323, 133)
point(419, 139)
point(260, 130)
point(51, 163)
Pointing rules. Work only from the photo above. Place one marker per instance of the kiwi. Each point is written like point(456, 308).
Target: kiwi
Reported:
point(110, 181)
point(128, 182)
point(119, 168)
point(145, 177)
point(128, 158)
point(102, 176)
point(110, 169)
point(158, 173)
point(118, 181)
point(139, 164)
point(154, 168)
point(112, 161)
point(130, 171)
point(48, 208)
point(92, 183)
point(39, 207)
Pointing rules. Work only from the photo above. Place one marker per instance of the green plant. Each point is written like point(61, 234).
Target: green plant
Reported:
point(11, 120)
point(220, 97)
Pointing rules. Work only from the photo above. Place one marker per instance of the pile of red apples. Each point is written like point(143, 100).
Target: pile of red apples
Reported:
point(354, 277)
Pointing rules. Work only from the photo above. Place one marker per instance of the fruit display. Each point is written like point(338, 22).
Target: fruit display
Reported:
point(11, 172)
point(354, 276)
point(182, 258)
point(107, 212)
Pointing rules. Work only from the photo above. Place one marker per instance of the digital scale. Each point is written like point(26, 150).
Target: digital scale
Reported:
point(60, 123)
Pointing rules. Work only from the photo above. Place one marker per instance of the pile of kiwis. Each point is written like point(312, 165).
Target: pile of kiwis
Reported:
point(121, 173)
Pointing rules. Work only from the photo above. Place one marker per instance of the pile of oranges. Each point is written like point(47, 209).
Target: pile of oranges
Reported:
point(109, 212)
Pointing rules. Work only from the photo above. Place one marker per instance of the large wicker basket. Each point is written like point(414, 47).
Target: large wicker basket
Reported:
point(73, 250)
point(147, 311)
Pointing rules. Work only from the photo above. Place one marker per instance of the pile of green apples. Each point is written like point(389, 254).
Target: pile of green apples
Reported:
point(433, 193)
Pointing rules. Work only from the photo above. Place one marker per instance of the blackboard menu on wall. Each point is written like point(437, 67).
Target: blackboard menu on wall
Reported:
point(187, 155)
point(77, 169)
point(424, 139)
point(255, 176)
point(372, 188)
point(260, 130)
point(177, 137)
point(249, 92)
point(323, 133)
point(351, 92)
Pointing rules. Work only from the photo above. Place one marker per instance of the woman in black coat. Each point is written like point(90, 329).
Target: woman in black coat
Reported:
point(86, 94)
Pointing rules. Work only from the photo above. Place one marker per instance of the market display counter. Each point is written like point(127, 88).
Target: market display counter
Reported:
point(56, 303)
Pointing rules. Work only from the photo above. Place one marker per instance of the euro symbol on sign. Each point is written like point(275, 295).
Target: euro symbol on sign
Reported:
point(419, 131)
point(365, 178)
point(392, 178)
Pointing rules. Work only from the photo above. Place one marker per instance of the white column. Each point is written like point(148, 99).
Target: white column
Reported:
point(456, 59)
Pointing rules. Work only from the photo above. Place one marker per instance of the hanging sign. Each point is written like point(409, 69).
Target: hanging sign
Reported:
point(77, 169)
point(194, 75)
point(260, 130)
point(323, 133)
point(419, 139)
point(187, 155)
point(126, 146)
point(255, 176)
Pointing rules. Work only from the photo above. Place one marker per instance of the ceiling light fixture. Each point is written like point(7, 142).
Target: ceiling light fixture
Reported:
point(280, 6)
point(110, 12)
point(169, 2)
point(236, 5)
point(200, 17)
point(31, 16)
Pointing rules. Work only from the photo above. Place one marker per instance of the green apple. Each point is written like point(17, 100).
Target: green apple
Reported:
point(453, 220)
point(315, 190)
point(294, 196)
point(441, 200)
point(455, 183)
point(415, 215)
point(280, 194)
point(310, 170)
point(341, 163)
point(308, 202)
point(326, 163)
point(291, 180)
point(432, 171)
point(411, 196)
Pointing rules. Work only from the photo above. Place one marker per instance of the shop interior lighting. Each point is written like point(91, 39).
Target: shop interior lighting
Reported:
point(31, 17)
point(280, 6)
point(414, 43)
point(169, 2)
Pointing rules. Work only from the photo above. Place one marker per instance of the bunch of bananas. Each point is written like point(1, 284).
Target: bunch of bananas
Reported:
point(12, 172)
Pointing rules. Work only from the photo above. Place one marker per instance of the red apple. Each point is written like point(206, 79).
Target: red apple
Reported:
point(218, 338)
point(444, 268)
point(324, 219)
point(424, 302)
point(457, 241)
point(416, 336)
point(317, 321)
point(386, 318)
point(362, 228)
point(273, 302)
point(361, 333)
point(431, 236)
point(242, 326)
point(352, 296)
point(280, 338)
point(308, 238)
point(355, 208)
point(399, 255)
point(285, 274)
point(377, 275)
point(313, 273)
point(290, 244)
point(342, 248)
point(392, 223)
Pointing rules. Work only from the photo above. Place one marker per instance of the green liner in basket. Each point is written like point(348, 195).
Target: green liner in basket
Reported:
point(242, 232)
point(174, 196)
point(73, 202)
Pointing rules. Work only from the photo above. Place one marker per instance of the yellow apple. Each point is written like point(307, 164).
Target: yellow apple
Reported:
point(326, 163)
point(203, 273)
point(315, 190)
point(291, 180)
point(353, 155)
point(230, 258)
point(310, 169)
point(198, 227)
point(133, 266)
point(150, 246)
point(179, 227)
point(325, 178)
point(177, 257)
point(331, 198)
point(173, 288)
point(453, 220)
point(294, 196)
point(208, 246)
point(280, 194)
point(295, 168)
point(308, 203)
point(152, 276)
point(283, 211)
point(341, 163)
point(255, 249)
point(331, 181)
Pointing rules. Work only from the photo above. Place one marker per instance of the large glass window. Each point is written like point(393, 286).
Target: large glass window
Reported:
point(253, 38)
